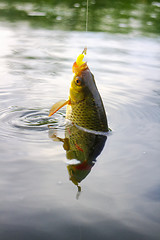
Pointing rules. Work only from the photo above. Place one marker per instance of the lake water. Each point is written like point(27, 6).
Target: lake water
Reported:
point(120, 197)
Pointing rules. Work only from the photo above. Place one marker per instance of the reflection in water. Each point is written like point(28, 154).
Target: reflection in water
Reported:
point(110, 16)
point(36, 197)
point(83, 146)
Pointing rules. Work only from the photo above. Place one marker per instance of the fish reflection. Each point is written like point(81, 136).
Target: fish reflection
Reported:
point(83, 146)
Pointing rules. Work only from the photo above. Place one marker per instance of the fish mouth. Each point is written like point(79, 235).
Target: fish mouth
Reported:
point(78, 69)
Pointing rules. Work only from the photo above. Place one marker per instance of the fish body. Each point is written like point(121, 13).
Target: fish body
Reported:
point(84, 106)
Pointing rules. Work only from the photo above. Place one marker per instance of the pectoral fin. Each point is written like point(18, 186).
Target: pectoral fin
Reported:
point(57, 106)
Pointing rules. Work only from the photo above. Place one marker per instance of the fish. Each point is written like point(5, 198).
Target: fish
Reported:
point(84, 105)
point(80, 145)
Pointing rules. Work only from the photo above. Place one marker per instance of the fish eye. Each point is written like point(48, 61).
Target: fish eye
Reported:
point(78, 81)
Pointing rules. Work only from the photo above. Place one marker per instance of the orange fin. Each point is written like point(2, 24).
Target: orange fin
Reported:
point(57, 106)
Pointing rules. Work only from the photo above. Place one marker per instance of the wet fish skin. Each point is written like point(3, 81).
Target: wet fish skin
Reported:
point(86, 107)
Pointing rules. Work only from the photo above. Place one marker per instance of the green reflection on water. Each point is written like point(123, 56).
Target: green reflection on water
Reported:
point(139, 17)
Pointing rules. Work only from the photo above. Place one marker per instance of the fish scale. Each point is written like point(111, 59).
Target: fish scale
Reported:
point(85, 114)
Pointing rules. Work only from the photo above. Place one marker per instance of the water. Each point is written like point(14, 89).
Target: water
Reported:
point(120, 197)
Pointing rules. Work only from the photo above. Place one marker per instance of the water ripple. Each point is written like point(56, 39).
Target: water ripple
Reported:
point(27, 124)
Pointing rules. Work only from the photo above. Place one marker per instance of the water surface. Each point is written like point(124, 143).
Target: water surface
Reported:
point(120, 197)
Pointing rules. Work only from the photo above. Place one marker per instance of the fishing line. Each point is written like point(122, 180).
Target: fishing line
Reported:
point(87, 17)
point(85, 49)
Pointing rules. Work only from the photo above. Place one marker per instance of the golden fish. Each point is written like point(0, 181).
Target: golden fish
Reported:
point(84, 106)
